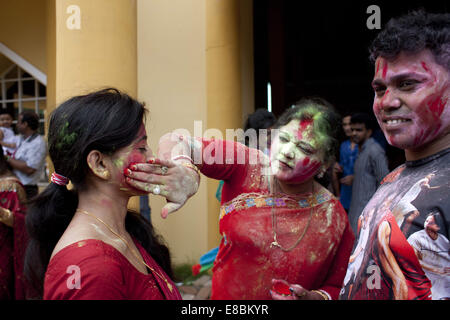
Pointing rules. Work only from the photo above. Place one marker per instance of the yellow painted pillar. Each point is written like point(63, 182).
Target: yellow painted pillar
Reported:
point(223, 83)
point(190, 68)
point(90, 45)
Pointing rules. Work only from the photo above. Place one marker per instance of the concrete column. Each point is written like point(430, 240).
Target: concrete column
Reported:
point(90, 45)
point(190, 63)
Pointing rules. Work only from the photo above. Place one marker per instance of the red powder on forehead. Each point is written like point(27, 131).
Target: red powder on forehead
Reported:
point(425, 67)
point(378, 67)
point(303, 126)
point(385, 69)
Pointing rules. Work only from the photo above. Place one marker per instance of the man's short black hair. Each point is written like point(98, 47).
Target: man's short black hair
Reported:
point(260, 119)
point(363, 118)
point(412, 33)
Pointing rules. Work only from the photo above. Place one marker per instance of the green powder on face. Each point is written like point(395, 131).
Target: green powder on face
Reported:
point(118, 163)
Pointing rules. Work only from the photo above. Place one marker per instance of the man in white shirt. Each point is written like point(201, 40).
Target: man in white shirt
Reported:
point(28, 161)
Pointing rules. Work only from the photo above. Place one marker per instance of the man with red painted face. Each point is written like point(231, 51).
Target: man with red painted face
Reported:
point(412, 89)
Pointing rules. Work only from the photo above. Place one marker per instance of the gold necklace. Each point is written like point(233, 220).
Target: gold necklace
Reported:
point(275, 242)
point(140, 259)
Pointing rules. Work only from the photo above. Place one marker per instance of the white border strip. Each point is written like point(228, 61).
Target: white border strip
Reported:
point(24, 64)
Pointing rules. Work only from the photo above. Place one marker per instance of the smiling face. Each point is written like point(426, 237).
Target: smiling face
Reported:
point(412, 99)
point(137, 151)
point(6, 120)
point(346, 126)
point(296, 153)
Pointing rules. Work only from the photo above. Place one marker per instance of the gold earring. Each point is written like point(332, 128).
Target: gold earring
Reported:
point(106, 174)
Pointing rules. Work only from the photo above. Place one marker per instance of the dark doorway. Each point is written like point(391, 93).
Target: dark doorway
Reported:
point(320, 48)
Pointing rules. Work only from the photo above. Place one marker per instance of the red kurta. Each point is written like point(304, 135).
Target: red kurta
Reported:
point(246, 262)
point(13, 241)
point(94, 270)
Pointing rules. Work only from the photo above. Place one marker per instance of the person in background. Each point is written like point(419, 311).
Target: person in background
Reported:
point(370, 167)
point(13, 236)
point(28, 160)
point(8, 139)
point(343, 170)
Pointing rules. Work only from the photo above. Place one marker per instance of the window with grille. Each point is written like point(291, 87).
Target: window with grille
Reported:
point(20, 91)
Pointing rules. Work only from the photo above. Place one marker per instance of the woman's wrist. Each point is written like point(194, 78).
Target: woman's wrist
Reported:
point(322, 294)
point(6, 217)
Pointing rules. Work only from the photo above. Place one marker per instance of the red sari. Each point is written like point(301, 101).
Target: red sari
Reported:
point(247, 262)
point(13, 241)
point(94, 270)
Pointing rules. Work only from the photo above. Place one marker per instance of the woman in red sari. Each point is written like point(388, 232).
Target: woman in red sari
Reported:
point(13, 238)
point(284, 235)
point(85, 243)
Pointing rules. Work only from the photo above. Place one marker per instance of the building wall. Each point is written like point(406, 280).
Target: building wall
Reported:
point(172, 83)
point(23, 29)
point(190, 69)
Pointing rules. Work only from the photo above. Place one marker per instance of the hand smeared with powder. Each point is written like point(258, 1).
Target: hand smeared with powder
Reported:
point(177, 184)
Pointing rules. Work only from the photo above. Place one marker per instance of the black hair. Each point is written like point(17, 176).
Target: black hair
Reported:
point(31, 118)
point(412, 33)
point(5, 111)
point(105, 120)
point(363, 118)
point(260, 119)
point(329, 123)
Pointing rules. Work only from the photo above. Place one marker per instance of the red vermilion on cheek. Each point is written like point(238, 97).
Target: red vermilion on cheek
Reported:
point(133, 158)
point(306, 161)
point(303, 172)
point(437, 105)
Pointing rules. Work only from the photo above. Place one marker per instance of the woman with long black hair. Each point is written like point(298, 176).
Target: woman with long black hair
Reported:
point(85, 243)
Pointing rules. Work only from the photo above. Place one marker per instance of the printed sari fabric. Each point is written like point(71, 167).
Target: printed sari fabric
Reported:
point(250, 215)
point(13, 241)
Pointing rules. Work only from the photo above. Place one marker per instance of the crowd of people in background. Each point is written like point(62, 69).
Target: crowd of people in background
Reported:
point(288, 233)
point(22, 164)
